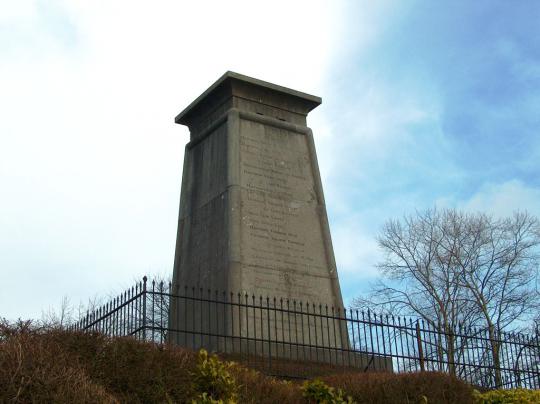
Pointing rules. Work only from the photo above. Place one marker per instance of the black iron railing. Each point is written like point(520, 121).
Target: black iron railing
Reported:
point(273, 331)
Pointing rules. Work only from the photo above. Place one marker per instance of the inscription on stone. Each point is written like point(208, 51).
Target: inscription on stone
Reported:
point(281, 230)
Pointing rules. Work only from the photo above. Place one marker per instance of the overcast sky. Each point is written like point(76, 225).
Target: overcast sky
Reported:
point(425, 103)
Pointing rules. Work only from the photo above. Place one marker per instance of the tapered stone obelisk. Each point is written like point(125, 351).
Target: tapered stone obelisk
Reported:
point(252, 212)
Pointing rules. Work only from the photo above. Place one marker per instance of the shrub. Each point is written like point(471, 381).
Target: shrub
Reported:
point(140, 372)
point(212, 380)
point(405, 388)
point(35, 368)
point(257, 388)
point(52, 365)
point(319, 392)
point(521, 396)
point(204, 398)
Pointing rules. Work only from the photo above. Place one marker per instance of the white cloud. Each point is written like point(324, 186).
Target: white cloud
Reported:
point(90, 160)
point(356, 249)
point(17, 10)
point(502, 199)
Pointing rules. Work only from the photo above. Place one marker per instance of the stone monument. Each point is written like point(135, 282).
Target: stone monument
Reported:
point(252, 212)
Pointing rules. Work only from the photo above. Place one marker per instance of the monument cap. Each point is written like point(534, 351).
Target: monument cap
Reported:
point(233, 84)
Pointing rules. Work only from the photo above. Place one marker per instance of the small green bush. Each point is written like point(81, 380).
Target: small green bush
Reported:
point(321, 393)
point(212, 382)
point(520, 396)
point(204, 398)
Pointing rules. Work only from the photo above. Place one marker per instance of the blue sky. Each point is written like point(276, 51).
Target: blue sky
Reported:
point(439, 106)
point(424, 104)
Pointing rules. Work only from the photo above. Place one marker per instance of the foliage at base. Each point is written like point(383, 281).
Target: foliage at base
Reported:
point(516, 396)
point(404, 388)
point(44, 365)
point(204, 398)
point(319, 392)
point(212, 382)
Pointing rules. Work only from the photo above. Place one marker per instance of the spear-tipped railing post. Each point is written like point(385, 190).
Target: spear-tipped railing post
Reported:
point(144, 307)
point(420, 350)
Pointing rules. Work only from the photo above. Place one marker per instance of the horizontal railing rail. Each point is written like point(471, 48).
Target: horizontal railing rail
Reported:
point(278, 331)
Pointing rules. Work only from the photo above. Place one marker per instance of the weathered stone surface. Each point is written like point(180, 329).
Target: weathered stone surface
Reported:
point(252, 213)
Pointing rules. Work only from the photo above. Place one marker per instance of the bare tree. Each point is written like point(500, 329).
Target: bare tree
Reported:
point(455, 270)
point(420, 278)
point(61, 317)
point(498, 264)
point(158, 308)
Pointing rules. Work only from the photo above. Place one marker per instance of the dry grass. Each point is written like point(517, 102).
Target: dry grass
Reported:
point(51, 365)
